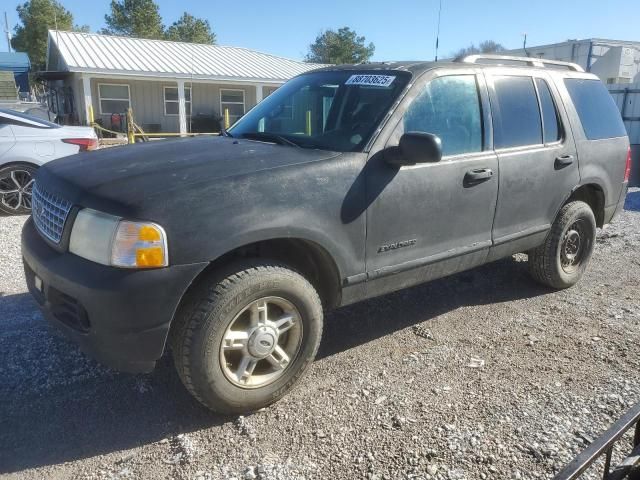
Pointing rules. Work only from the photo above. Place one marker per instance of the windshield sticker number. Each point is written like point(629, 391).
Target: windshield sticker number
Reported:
point(371, 80)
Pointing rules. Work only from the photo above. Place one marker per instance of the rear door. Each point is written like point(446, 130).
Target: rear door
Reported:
point(536, 155)
point(427, 214)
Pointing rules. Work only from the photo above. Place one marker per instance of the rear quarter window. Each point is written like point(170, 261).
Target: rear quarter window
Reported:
point(598, 112)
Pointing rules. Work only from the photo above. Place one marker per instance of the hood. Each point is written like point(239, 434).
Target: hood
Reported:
point(120, 180)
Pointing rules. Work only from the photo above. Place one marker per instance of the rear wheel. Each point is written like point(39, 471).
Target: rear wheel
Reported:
point(16, 184)
point(245, 338)
point(562, 260)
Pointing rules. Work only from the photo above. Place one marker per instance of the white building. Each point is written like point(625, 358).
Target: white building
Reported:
point(167, 84)
point(614, 61)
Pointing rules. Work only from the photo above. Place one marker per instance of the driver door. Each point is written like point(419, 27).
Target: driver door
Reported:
point(432, 219)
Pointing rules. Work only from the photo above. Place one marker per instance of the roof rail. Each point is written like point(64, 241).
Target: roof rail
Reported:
point(529, 61)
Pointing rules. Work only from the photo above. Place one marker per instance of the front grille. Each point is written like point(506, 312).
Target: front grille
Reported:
point(49, 213)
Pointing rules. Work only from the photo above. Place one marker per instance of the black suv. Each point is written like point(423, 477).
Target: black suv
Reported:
point(346, 183)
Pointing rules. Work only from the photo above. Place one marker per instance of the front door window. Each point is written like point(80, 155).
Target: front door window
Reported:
point(449, 107)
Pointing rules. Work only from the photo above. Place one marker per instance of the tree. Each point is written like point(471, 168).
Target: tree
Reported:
point(343, 46)
point(134, 18)
point(37, 17)
point(191, 29)
point(488, 46)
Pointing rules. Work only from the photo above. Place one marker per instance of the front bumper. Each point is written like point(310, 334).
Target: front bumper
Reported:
point(120, 317)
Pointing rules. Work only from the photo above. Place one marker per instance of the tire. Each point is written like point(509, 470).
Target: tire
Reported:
point(16, 182)
point(253, 298)
point(563, 258)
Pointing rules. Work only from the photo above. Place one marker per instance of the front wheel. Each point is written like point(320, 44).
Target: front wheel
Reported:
point(244, 339)
point(16, 184)
point(562, 260)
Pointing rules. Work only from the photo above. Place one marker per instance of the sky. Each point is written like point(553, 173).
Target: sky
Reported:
point(400, 29)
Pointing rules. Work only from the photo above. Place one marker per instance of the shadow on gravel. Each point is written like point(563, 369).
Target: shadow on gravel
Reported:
point(632, 202)
point(58, 406)
point(363, 322)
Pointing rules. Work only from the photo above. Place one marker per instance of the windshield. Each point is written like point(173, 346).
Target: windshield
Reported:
point(336, 111)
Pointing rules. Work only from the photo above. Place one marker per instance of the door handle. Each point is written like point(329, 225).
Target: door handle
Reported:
point(563, 161)
point(476, 176)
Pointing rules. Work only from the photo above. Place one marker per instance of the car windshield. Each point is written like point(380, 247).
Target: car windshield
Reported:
point(328, 110)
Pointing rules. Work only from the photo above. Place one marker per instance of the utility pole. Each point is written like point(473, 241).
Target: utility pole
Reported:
point(7, 32)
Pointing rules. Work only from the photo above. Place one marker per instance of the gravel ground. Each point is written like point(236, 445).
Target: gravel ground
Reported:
point(480, 375)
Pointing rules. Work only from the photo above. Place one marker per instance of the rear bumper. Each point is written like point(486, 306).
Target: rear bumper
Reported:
point(612, 211)
point(120, 317)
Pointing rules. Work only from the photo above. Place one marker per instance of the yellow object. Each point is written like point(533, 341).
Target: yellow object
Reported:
point(148, 233)
point(308, 130)
point(139, 245)
point(148, 252)
point(91, 121)
point(102, 129)
point(173, 134)
point(226, 119)
point(130, 133)
point(150, 257)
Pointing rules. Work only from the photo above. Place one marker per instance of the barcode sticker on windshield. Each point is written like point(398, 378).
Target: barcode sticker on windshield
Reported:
point(371, 80)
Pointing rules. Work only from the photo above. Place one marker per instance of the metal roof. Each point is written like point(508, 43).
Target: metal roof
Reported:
point(94, 53)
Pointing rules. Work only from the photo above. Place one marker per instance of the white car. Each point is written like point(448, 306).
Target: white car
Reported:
point(26, 143)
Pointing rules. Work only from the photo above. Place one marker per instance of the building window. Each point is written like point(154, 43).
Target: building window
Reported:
point(114, 98)
point(233, 102)
point(171, 100)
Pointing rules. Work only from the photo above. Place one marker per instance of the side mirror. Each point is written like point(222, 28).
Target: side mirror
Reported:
point(417, 147)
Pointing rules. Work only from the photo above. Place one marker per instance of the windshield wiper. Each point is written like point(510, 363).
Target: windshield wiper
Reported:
point(270, 137)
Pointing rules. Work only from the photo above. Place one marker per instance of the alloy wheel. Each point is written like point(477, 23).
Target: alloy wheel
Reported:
point(16, 189)
point(261, 342)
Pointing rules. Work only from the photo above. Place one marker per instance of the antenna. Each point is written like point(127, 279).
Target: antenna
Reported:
point(524, 44)
point(7, 32)
point(438, 33)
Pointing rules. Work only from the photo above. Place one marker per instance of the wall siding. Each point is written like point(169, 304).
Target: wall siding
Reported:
point(147, 101)
point(632, 122)
point(608, 57)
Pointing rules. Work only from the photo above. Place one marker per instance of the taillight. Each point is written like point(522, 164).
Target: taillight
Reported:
point(84, 143)
point(627, 168)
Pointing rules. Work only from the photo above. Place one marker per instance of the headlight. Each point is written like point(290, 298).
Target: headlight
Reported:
point(110, 240)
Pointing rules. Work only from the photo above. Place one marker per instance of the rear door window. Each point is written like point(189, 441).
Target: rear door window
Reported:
point(519, 123)
point(449, 107)
point(550, 120)
point(598, 112)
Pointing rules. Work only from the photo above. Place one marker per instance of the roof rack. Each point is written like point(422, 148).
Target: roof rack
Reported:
point(529, 61)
